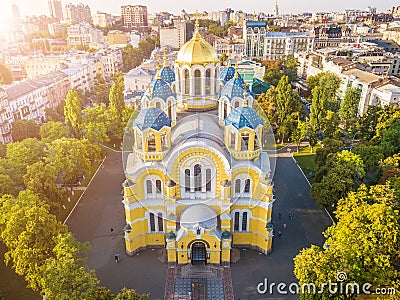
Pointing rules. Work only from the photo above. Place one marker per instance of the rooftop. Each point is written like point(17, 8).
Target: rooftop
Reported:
point(362, 76)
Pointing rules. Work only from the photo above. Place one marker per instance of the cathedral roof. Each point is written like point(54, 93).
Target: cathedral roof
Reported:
point(167, 74)
point(160, 89)
point(242, 117)
point(227, 73)
point(199, 215)
point(153, 118)
point(197, 51)
point(234, 88)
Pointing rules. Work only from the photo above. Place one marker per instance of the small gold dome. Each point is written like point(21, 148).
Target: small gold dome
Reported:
point(197, 51)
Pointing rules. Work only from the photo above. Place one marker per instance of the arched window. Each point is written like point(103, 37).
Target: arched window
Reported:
point(149, 187)
point(187, 180)
point(186, 82)
point(236, 104)
point(232, 140)
point(244, 221)
point(237, 186)
point(153, 188)
point(197, 83)
point(236, 222)
point(245, 141)
point(197, 178)
point(247, 186)
point(208, 82)
point(158, 186)
point(151, 143)
point(158, 105)
point(208, 180)
point(160, 222)
point(169, 110)
point(152, 223)
point(225, 110)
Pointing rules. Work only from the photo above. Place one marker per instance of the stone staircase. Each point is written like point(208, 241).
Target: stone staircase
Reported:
point(207, 271)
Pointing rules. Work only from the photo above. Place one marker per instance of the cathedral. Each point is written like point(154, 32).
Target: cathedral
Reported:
point(197, 179)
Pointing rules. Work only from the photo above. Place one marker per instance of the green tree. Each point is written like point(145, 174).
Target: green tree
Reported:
point(370, 155)
point(22, 154)
point(6, 184)
point(267, 102)
point(22, 129)
point(363, 243)
point(73, 113)
point(317, 109)
point(5, 75)
point(65, 274)
point(349, 106)
point(55, 114)
point(330, 125)
point(329, 146)
point(289, 67)
point(272, 76)
point(275, 29)
point(96, 123)
point(27, 229)
point(391, 139)
point(40, 178)
point(52, 131)
point(101, 89)
point(288, 104)
point(341, 174)
point(129, 294)
point(329, 84)
point(300, 133)
point(70, 157)
point(116, 96)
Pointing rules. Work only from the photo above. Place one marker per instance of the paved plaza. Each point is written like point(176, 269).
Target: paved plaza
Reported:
point(100, 209)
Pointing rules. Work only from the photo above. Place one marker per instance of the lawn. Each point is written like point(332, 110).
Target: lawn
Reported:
point(305, 159)
point(13, 286)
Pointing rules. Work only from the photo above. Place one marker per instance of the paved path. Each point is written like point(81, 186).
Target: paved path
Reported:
point(291, 191)
point(99, 210)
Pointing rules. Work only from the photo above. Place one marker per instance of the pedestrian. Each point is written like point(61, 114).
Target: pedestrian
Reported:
point(279, 215)
point(116, 257)
point(291, 216)
point(284, 225)
point(112, 230)
point(279, 234)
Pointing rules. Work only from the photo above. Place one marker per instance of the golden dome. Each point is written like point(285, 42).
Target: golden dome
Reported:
point(197, 51)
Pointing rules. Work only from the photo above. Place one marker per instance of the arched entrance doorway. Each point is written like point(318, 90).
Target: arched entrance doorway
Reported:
point(199, 253)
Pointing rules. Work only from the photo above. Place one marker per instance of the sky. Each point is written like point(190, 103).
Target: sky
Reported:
point(40, 7)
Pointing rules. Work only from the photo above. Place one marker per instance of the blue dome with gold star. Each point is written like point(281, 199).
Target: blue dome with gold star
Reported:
point(234, 88)
point(227, 73)
point(160, 89)
point(242, 117)
point(167, 74)
point(153, 118)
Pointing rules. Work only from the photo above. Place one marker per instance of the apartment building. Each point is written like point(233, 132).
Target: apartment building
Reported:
point(177, 35)
point(134, 16)
point(84, 34)
point(77, 13)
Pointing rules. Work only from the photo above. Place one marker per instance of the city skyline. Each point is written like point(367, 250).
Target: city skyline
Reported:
point(285, 6)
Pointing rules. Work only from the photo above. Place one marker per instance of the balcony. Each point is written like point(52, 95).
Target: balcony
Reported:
point(150, 155)
point(245, 154)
